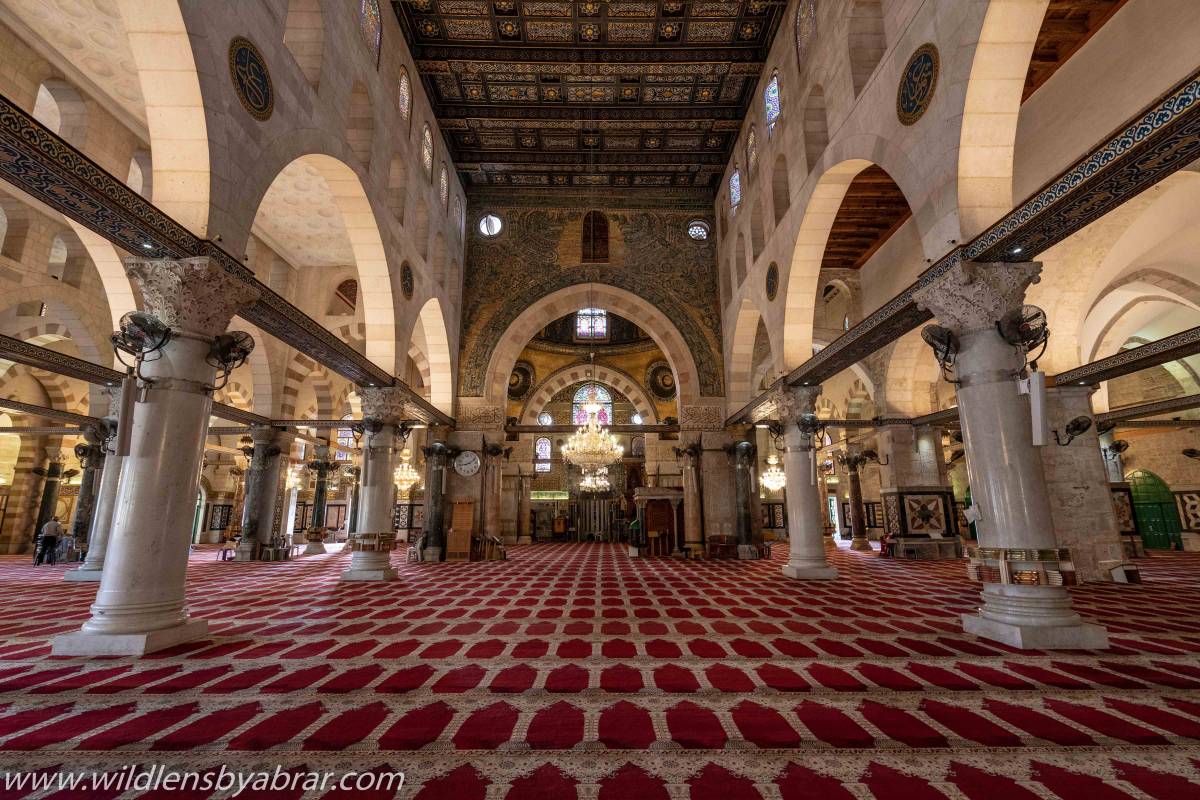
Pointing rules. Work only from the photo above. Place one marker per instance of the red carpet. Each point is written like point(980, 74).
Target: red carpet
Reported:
point(573, 671)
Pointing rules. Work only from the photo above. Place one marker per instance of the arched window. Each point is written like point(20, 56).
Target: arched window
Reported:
point(735, 189)
point(595, 237)
point(444, 187)
point(591, 323)
point(405, 95)
point(345, 298)
point(345, 440)
point(541, 455)
point(751, 150)
point(771, 103)
point(427, 150)
point(592, 393)
point(370, 23)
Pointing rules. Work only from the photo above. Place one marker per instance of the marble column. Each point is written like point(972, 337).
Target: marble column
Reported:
point(383, 409)
point(106, 498)
point(524, 509)
point(493, 460)
point(743, 453)
point(858, 519)
point(91, 460)
point(53, 473)
point(354, 474)
point(262, 482)
point(322, 469)
point(436, 457)
point(693, 520)
point(1008, 487)
point(141, 605)
point(806, 531)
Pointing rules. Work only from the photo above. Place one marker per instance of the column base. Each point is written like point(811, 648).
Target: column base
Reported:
point(634, 551)
point(810, 573)
point(314, 549)
point(246, 551)
point(82, 643)
point(524, 539)
point(860, 544)
point(81, 574)
point(747, 552)
point(352, 574)
point(431, 554)
point(1081, 636)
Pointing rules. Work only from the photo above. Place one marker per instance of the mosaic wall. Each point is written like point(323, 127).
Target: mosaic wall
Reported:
point(652, 257)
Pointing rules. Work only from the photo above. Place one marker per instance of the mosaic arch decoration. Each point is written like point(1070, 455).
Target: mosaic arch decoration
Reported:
point(427, 150)
point(407, 283)
point(772, 103)
point(520, 382)
point(661, 381)
point(806, 30)
point(251, 78)
point(772, 281)
point(405, 92)
point(917, 84)
point(370, 24)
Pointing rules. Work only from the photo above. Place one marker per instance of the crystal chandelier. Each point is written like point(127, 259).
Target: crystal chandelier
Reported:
point(405, 476)
point(595, 481)
point(773, 478)
point(592, 446)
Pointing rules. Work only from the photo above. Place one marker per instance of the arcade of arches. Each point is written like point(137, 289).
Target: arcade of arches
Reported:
point(505, 394)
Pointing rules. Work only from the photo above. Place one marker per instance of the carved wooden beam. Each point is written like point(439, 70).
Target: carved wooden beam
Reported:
point(1153, 354)
point(1185, 403)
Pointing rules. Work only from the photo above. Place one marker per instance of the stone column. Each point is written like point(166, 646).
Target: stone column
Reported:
point(806, 531)
point(355, 475)
point(493, 460)
point(141, 605)
point(524, 507)
point(929, 446)
point(676, 549)
point(383, 409)
point(858, 520)
point(1077, 480)
point(693, 521)
point(53, 473)
point(322, 468)
point(436, 458)
point(262, 481)
point(106, 498)
point(91, 460)
point(743, 454)
point(1007, 483)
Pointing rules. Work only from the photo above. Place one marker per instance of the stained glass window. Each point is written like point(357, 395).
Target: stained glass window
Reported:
point(591, 323)
point(541, 455)
point(698, 230)
point(444, 187)
point(592, 392)
point(735, 189)
point(370, 22)
point(545, 418)
point(405, 95)
point(427, 151)
point(752, 149)
point(345, 440)
point(771, 102)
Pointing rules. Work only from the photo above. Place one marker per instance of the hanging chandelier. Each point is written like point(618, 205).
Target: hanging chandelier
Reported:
point(595, 481)
point(592, 446)
point(773, 478)
point(405, 476)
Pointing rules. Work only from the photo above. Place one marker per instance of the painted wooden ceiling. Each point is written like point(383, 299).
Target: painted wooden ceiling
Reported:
point(572, 94)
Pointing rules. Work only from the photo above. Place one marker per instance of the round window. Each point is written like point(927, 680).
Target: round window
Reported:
point(636, 419)
point(698, 230)
point(490, 225)
point(544, 418)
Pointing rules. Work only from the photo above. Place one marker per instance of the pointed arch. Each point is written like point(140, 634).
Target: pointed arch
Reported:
point(438, 262)
point(739, 256)
point(570, 375)
point(398, 186)
point(435, 338)
point(781, 188)
point(304, 37)
point(816, 128)
point(758, 238)
point(867, 41)
point(360, 123)
point(741, 354)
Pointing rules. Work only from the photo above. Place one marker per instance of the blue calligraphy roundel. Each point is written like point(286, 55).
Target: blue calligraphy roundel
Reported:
point(251, 78)
point(917, 85)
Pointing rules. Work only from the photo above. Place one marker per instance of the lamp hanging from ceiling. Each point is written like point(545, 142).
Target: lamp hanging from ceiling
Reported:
point(773, 477)
point(592, 446)
point(405, 477)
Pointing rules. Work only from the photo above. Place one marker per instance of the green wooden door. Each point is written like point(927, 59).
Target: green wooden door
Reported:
point(1154, 507)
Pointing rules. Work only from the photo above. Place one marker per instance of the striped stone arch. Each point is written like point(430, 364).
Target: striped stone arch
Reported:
point(354, 335)
point(611, 377)
point(297, 371)
point(60, 394)
point(343, 404)
point(236, 395)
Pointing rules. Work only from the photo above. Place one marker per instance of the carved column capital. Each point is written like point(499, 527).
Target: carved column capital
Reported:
point(388, 404)
point(195, 295)
point(793, 402)
point(974, 295)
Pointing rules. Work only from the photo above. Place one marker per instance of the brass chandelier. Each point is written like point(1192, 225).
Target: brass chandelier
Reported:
point(592, 446)
point(773, 478)
point(405, 477)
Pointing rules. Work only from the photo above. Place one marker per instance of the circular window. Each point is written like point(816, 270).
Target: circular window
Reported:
point(698, 230)
point(544, 418)
point(490, 225)
point(636, 419)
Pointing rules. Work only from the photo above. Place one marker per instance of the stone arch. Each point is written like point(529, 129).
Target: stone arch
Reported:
point(236, 395)
point(170, 82)
point(420, 227)
point(62, 308)
point(781, 189)
point(741, 354)
point(262, 383)
point(859, 402)
point(366, 242)
point(141, 173)
point(757, 234)
point(438, 261)
point(867, 41)
point(304, 37)
point(739, 261)
point(991, 110)
point(398, 186)
point(911, 377)
point(360, 123)
point(61, 108)
point(816, 127)
point(294, 375)
point(434, 338)
point(595, 295)
point(572, 374)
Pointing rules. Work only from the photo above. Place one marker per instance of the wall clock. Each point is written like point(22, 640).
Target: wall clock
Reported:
point(466, 463)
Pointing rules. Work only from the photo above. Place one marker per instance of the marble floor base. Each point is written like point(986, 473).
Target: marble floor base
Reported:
point(1083, 636)
point(82, 643)
point(810, 573)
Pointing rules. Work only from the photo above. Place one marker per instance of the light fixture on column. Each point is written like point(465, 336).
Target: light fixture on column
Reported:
point(773, 477)
point(405, 476)
point(1076, 427)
